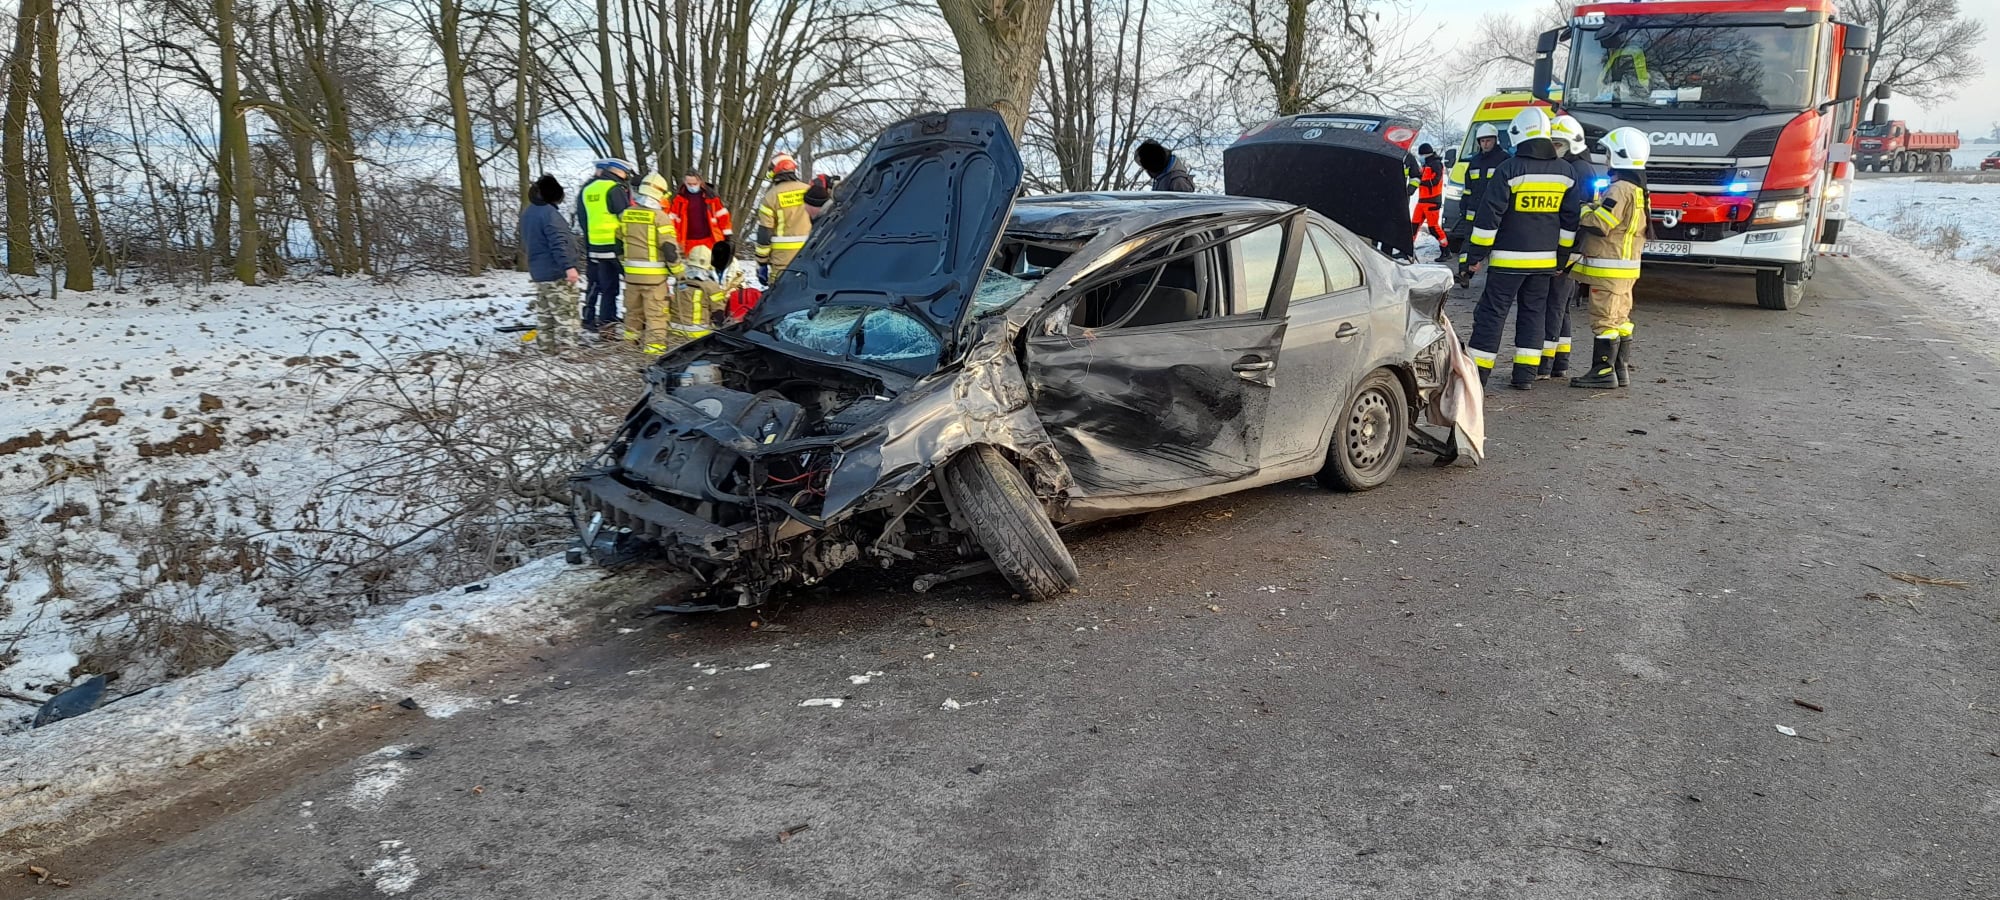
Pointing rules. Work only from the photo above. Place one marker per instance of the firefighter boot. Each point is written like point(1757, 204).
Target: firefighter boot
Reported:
point(1562, 359)
point(1624, 361)
point(1603, 374)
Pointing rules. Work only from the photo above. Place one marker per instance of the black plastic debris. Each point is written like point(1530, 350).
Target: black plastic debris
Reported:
point(408, 703)
point(75, 701)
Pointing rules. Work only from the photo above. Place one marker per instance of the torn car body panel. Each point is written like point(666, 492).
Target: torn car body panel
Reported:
point(1123, 352)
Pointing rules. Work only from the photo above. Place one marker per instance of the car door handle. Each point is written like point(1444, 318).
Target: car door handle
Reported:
point(1252, 364)
point(1346, 330)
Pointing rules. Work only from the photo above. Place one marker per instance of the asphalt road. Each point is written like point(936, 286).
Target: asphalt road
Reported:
point(1559, 675)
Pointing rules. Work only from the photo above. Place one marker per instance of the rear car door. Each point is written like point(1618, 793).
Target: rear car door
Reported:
point(1330, 321)
point(1155, 382)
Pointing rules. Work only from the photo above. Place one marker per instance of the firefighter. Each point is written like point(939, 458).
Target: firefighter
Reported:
point(604, 198)
point(1614, 235)
point(1570, 145)
point(699, 212)
point(1478, 171)
point(782, 221)
point(1526, 225)
point(698, 301)
point(1430, 197)
point(652, 258)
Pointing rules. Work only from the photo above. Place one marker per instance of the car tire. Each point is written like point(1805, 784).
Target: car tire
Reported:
point(1367, 444)
point(1003, 515)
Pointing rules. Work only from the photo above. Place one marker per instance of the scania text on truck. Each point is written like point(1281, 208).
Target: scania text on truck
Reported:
point(1750, 105)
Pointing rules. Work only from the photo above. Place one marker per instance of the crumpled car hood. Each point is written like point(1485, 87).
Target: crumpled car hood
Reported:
point(913, 228)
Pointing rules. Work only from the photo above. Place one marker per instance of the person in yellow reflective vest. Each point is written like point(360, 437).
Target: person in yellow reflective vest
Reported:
point(598, 206)
point(783, 222)
point(652, 248)
point(1612, 240)
point(697, 300)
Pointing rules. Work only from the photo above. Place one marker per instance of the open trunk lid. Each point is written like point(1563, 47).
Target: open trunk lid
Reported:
point(1346, 167)
point(913, 228)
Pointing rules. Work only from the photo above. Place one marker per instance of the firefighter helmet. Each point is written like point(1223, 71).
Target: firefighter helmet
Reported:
point(1529, 124)
point(1486, 130)
point(783, 163)
point(655, 186)
point(1627, 148)
point(1569, 131)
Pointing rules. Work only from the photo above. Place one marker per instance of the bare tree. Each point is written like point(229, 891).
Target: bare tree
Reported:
point(79, 271)
point(1000, 51)
point(13, 144)
point(472, 190)
point(1506, 44)
point(236, 143)
point(1921, 49)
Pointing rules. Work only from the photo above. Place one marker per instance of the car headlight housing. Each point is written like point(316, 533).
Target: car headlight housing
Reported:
point(1778, 212)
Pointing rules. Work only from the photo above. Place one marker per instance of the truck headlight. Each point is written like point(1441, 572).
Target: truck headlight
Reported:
point(1774, 212)
point(1836, 190)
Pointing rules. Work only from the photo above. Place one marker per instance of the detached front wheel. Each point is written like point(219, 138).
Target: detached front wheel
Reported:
point(1008, 522)
point(1367, 445)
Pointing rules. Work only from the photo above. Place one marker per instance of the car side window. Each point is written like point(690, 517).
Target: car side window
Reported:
point(1309, 279)
point(1256, 254)
point(1147, 293)
point(1342, 273)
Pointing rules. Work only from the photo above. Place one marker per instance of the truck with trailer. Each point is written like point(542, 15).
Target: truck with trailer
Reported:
point(1750, 105)
point(1888, 145)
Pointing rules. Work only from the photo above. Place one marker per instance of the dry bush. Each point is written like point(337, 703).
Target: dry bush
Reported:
point(454, 467)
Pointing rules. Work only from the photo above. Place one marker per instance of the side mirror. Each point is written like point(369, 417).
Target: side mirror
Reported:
point(1451, 157)
point(1851, 73)
point(1545, 43)
point(1545, 72)
point(1881, 114)
point(1881, 92)
point(1856, 40)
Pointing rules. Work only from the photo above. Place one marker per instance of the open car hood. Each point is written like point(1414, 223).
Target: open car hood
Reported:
point(913, 228)
point(1346, 167)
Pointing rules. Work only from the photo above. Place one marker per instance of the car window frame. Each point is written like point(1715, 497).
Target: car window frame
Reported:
point(1360, 271)
point(1221, 272)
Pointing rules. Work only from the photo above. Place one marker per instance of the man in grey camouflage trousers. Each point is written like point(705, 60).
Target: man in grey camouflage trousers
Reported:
point(556, 322)
point(551, 265)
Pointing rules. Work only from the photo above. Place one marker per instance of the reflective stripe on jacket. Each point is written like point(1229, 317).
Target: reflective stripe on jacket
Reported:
point(1478, 172)
point(597, 213)
point(1614, 236)
point(1527, 216)
point(782, 220)
point(652, 249)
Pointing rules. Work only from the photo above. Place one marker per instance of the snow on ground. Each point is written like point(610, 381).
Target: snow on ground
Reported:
point(146, 431)
point(1957, 291)
point(1926, 213)
point(56, 773)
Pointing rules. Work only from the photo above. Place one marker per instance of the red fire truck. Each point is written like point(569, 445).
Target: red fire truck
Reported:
point(1751, 107)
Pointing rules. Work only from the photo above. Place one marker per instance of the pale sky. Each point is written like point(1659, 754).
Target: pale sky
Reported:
point(1972, 112)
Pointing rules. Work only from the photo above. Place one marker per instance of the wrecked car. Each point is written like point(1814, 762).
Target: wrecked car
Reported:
point(947, 366)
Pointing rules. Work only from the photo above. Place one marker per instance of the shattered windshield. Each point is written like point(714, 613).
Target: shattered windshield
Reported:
point(1663, 61)
point(868, 333)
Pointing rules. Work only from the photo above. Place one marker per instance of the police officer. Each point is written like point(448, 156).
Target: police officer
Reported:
point(1478, 171)
point(1570, 145)
point(604, 198)
point(1525, 225)
point(1614, 236)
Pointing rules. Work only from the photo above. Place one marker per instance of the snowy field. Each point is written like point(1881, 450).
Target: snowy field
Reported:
point(1958, 218)
point(164, 456)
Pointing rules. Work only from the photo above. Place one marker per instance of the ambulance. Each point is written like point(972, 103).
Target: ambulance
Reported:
point(1498, 111)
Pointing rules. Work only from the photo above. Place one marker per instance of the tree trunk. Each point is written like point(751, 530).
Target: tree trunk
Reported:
point(613, 131)
point(14, 145)
point(524, 61)
point(236, 144)
point(472, 193)
point(1000, 45)
point(78, 272)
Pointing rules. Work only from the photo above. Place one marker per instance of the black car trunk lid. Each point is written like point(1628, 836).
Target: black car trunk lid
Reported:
point(1346, 167)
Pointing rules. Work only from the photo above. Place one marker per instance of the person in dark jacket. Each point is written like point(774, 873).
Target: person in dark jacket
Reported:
point(551, 248)
point(1526, 224)
point(1167, 171)
point(1478, 171)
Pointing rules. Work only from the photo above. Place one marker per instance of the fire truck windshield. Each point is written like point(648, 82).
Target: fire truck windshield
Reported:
point(1675, 62)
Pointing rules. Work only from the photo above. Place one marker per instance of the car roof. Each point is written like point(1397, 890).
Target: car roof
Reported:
point(1090, 213)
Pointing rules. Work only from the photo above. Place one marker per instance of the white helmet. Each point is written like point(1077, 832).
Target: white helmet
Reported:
point(1486, 130)
point(1529, 124)
point(1627, 148)
point(1569, 131)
